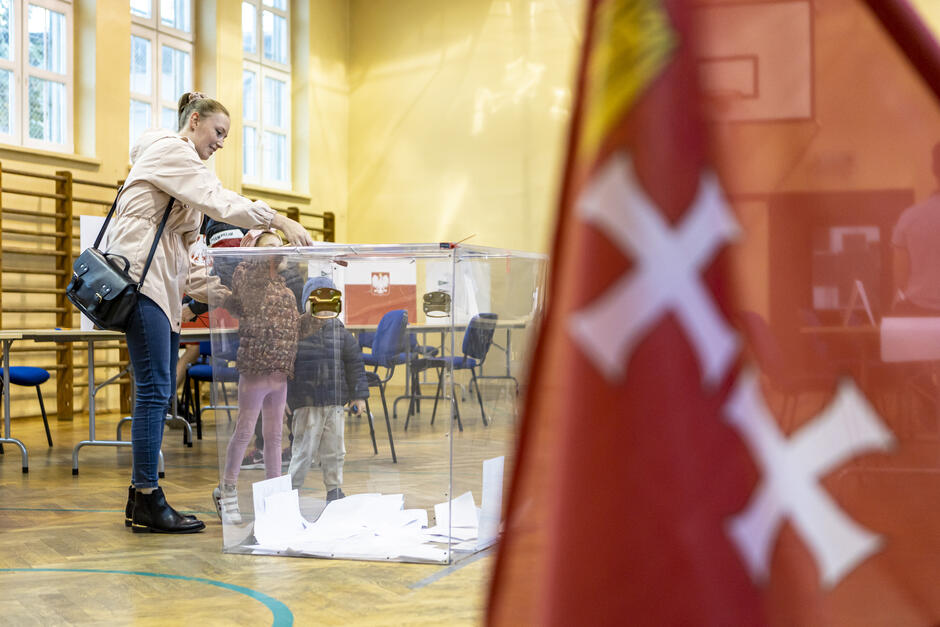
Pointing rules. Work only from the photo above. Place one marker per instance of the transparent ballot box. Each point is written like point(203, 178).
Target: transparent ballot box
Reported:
point(366, 398)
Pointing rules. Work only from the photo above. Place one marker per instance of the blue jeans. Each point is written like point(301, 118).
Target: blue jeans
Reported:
point(153, 349)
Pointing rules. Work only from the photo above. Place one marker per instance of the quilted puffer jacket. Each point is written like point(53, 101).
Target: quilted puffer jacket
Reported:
point(269, 324)
point(329, 369)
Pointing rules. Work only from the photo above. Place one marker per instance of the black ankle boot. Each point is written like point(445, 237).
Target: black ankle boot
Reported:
point(129, 509)
point(153, 514)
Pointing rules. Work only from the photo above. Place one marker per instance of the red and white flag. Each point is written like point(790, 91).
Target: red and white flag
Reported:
point(732, 413)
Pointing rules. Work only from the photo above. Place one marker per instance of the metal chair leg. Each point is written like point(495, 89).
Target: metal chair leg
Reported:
point(437, 394)
point(388, 425)
point(45, 420)
point(476, 384)
point(371, 428)
point(453, 399)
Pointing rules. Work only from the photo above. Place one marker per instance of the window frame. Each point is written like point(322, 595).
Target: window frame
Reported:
point(254, 124)
point(267, 68)
point(154, 22)
point(159, 35)
point(21, 69)
point(258, 56)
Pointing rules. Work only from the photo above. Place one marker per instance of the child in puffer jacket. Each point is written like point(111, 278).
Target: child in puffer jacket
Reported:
point(329, 373)
point(268, 331)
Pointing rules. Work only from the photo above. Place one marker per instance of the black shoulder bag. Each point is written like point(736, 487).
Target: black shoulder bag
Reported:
point(101, 289)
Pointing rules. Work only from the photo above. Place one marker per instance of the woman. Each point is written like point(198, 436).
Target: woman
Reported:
point(169, 164)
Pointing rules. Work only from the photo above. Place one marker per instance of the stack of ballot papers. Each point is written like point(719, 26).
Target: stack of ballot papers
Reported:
point(375, 526)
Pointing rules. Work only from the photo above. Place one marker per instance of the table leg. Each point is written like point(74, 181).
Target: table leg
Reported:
point(175, 417)
point(92, 391)
point(6, 388)
point(7, 438)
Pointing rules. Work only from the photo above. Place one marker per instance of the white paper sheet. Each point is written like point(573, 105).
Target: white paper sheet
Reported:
point(262, 489)
point(360, 526)
point(459, 512)
point(492, 501)
point(277, 512)
point(443, 534)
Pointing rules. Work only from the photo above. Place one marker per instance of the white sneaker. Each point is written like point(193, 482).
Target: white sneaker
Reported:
point(226, 505)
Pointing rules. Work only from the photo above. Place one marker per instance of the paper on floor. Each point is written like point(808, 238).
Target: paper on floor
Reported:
point(492, 508)
point(459, 512)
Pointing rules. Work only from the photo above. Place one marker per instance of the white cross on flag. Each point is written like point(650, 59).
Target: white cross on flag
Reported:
point(733, 413)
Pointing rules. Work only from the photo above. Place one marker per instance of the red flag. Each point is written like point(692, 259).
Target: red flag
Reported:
point(726, 393)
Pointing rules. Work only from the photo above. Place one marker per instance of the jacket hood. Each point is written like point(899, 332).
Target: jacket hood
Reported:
point(315, 283)
point(148, 138)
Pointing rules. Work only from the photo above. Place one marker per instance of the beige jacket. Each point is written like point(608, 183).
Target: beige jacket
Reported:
point(166, 164)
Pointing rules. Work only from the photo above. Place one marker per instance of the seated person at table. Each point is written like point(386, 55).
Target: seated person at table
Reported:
point(328, 373)
point(916, 241)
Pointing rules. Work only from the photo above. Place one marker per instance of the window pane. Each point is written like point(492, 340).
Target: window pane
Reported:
point(6, 29)
point(250, 152)
point(169, 119)
point(275, 37)
point(175, 14)
point(249, 96)
point(142, 8)
point(277, 4)
point(6, 101)
point(46, 110)
point(275, 157)
point(47, 39)
point(176, 76)
point(249, 28)
point(141, 79)
point(275, 102)
point(140, 119)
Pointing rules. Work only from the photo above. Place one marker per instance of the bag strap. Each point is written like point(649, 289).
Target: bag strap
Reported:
point(156, 238)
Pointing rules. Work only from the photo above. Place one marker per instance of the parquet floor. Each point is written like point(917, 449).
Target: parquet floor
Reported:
point(66, 557)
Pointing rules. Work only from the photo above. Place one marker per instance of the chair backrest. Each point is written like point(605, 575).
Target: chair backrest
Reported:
point(366, 338)
point(226, 346)
point(479, 335)
point(390, 338)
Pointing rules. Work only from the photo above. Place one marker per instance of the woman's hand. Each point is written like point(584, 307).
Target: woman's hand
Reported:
point(294, 233)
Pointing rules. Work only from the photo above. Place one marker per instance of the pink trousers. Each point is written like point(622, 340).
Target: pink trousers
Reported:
point(266, 394)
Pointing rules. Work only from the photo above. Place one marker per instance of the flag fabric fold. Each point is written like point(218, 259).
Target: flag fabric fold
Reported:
point(725, 422)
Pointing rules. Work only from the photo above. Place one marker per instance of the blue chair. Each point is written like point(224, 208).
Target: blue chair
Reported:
point(389, 349)
point(476, 344)
point(205, 370)
point(413, 382)
point(28, 376)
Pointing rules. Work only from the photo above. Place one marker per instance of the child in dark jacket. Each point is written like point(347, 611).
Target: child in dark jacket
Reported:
point(328, 373)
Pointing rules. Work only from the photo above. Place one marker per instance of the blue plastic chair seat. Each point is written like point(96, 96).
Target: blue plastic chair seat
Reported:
point(204, 372)
point(27, 375)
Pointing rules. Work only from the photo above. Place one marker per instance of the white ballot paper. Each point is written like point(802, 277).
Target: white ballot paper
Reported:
point(277, 512)
point(372, 526)
point(459, 512)
point(492, 501)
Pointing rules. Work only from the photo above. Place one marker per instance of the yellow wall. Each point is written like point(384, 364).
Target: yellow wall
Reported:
point(457, 118)
point(321, 92)
point(414, 120)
